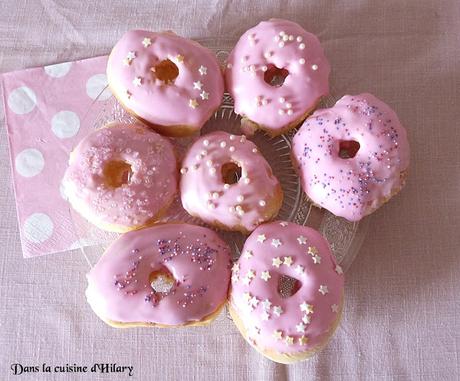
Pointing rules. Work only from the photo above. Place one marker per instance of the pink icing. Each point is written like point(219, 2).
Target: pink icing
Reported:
point(281, 248)
point(285, 45)
point(353, 187)
point(244, 204)
point(151, 186)
point(192, 97)
point(119, 288)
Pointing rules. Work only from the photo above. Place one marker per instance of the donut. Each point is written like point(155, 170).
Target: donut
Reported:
point(121, 177)
point(226, 182)
point(276, 74)
point(353, 157)
point(167, 275)
point(169, 82)
point(286, 292)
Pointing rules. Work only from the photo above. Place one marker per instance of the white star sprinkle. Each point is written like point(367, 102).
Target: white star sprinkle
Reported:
point(284, 224)
point(203, 70)
point(276, 243)
point(303, 340)
point(335, 308)
point(193, 103)
point(197, 85)
point(250, 274)
point(277, 310)
point(300, 327)
point(323, 289)
point(246, 281)
point(179, 58)
point(306, 319)
point(307, 308)
point(261, 238)
point(253, 301)
point(247, 254)
point(299, 269)
point(265, 276)
point(289, 340)
point(266, 304)
point(265, 316)
point(235, 278)
point(277, 335)
point(288, 261)
point(204, 95)
point(276, 262)
point(137, 81)
point(247, 296)
point(302, 240)
point(312, 250)
point(316, 259)
point(146, 42)
point(338, 269)
point(236, 267)
point(131, 55)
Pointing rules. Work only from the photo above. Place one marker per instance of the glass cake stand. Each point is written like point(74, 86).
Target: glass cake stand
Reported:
point(345, 238)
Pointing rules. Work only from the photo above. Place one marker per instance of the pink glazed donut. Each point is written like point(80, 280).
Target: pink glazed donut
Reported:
point(212, 190)
point(121, 177)
point(353, 157)
point(169, 82)
point(265, 55)
point(164, 276)
point(287, 291)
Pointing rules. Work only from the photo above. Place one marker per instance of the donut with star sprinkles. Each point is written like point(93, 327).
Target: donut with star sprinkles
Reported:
point(164, 276)
point(353, 157)
point(227, 183)
point(122, 177)
point(286, 291)
point(169, 82)
point(276, 74)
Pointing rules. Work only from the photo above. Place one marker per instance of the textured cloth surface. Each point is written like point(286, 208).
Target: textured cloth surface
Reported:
point(401, 312)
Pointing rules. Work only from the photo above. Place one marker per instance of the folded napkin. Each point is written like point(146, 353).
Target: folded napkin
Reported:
point(48, 110)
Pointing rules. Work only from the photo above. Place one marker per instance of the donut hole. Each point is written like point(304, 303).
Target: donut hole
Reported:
point(288, 286)
point(275, 76)
point(161, 281)
point(348, 149)
point(166, 71)
point(231, 173)
point(116, 173)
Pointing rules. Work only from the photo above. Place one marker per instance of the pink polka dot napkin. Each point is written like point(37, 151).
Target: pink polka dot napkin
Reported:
point(48, 111)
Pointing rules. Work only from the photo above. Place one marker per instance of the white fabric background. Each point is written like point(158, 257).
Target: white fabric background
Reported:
point(402, 307)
